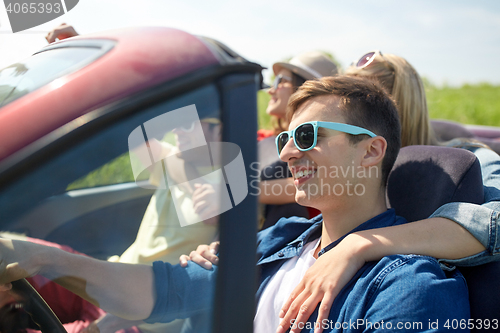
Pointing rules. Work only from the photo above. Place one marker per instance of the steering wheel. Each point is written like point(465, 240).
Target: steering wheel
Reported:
point(39, 311)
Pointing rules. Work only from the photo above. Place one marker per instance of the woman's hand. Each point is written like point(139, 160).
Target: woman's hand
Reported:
point(18, 259)
point(205, 256)
point(61, 32)
point(321, 284)
point(92, 328)
point(111, 324)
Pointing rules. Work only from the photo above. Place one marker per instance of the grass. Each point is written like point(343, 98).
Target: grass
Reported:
point(262, 100)
point(469, 104)
point(117, 171)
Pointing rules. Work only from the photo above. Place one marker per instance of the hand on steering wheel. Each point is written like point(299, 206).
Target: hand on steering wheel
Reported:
point(36, 307)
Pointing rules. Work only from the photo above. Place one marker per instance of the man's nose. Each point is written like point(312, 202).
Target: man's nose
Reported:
point(271, 91)
point(290, 152)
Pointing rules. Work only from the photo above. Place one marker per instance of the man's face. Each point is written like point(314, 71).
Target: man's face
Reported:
point(324, 172)
point(195, 135)
point(281, 95)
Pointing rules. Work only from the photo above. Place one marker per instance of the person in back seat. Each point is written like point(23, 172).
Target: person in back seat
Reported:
point(289, 76)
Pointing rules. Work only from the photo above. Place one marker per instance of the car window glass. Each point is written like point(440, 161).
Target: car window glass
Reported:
point(25, 76)
point(116, 171)
point(50, 181)
point(166, 150)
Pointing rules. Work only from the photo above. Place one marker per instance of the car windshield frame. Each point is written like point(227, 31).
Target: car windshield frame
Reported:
point(239, 83)
point(21, 70)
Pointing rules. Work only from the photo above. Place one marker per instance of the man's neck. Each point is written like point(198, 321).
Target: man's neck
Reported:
point(338, 221)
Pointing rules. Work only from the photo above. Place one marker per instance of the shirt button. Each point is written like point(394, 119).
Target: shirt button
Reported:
point(281, 254)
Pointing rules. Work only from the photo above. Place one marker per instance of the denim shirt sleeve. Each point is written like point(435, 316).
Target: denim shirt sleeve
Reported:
point(413, 294)
point(482, 222)
point(181, 292)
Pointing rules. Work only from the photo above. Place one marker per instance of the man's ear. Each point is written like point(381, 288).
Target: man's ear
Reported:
point(374, 151)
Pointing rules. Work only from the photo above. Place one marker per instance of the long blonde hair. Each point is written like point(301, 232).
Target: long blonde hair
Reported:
point(402, 81)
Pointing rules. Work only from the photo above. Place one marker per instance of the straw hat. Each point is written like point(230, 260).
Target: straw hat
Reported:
point(309, 65)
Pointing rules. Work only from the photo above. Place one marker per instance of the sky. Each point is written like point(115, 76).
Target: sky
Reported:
point(450, 42)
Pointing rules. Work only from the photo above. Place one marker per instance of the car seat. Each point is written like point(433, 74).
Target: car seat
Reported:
point(446, 130)
point(427, 177)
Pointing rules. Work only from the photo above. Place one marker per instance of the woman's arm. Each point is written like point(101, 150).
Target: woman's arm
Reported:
point(435, 237)
point(105, 284)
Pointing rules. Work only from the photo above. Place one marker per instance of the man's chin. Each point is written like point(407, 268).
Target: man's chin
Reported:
point(273, 110)
point(303, 198)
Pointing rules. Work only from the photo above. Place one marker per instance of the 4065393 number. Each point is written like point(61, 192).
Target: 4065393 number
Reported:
point(471, 324)
point(34, 7)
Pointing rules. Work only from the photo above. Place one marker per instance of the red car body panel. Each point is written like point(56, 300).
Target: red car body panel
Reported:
point(141, 58)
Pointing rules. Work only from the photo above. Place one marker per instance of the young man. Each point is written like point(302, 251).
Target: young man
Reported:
point(343, 142)
point(336, 173)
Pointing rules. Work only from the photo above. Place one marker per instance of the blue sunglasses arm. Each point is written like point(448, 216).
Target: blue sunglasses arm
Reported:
point(346, 128)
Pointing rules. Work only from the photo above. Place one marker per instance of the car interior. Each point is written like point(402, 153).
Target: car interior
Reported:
point(448, 130)
point(78, 189)
point(426, 177)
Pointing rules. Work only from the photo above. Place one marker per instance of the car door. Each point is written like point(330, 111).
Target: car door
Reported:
point(79, 189)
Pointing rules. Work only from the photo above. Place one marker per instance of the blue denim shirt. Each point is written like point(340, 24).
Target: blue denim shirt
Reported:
point(398, 290)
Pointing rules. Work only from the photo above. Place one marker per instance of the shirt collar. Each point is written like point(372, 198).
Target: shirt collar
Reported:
point(311, 233)
point(386, 219)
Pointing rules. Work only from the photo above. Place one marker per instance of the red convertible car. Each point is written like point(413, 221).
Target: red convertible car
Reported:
point(66, 114)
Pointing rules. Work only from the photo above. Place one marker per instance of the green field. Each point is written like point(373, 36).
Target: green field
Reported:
point(262, 99)
point(469, 104)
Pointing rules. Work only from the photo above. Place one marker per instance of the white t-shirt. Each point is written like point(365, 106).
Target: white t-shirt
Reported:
point(280, 287)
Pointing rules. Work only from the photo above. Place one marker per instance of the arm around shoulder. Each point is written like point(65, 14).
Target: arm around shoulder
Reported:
point(482, 222)
point(436, 237)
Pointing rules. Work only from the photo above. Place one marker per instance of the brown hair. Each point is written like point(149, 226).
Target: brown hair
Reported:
point(363, 103)
point(405, 85)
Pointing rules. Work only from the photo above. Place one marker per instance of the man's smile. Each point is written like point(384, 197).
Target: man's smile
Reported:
point(302, 174)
